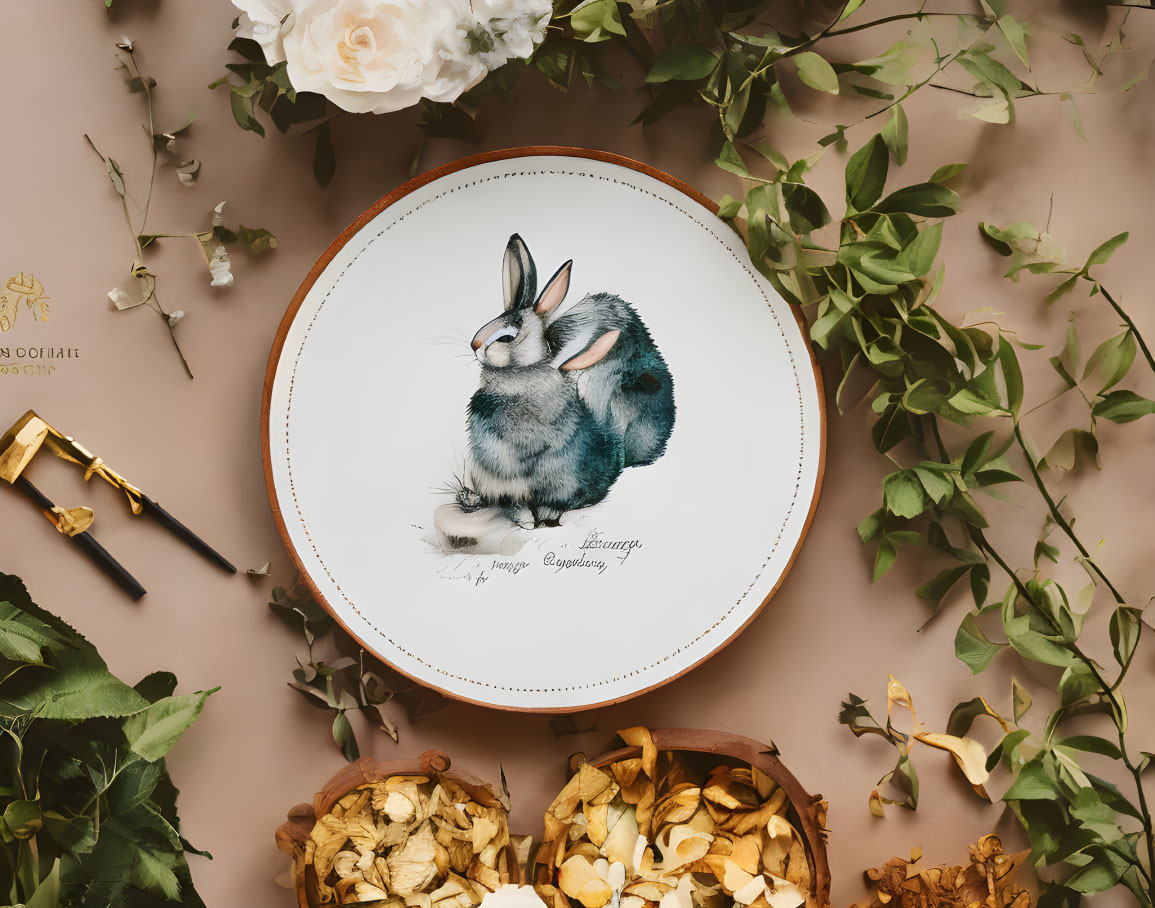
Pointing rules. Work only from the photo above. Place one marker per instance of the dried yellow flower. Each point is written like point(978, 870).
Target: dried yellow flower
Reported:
point(657, 832)
point(408, 842)
point(987, 881)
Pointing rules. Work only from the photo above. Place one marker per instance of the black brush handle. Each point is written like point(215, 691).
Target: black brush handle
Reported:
point(178, 529)
point(87, 543)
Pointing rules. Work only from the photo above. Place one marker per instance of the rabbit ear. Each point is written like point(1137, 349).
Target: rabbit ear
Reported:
point(555, 290)
point(593, 354)
point(518, 275)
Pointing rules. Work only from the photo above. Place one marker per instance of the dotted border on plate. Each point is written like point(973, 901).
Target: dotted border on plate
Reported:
point(777, 539)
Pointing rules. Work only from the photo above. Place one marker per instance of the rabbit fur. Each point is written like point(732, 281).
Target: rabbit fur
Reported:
point(566, 401)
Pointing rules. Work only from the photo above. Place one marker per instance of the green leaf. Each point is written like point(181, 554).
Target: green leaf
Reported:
point(1123, 406)
point(21, 820)
point(1074, 448)
point(884, 557)
point(731, 161)
point(1063, 289)
point(946, 172)
point(855, 716)
point(1110, 362)
point(47, 894)
point(937, 589)
point(22, 637)
point(928, 200)
point(921, 253)
point(903, 494)
point(344, 737)
point(1016, 33)
point(1012, 376)
point(896, 135)
point(963, 716)
point(972, 647)
point(990, 72)
point(248, 48)
point(805, 208)
point(152, 871)
point(816, 72)
point(1125, 628)
point(683, 62)
point(244, 112)
point(258, 239)
point(1091, 744)
point(1034, 645)
point(1104, 252)
point(866, 174)
point(1020, 700)
point(1102, 873)
point(850, 7)
point(1068, 361)
point(871, 526)
point(78, 685)
point(893, 66)
point(597, 20)
point(904, 779)
point(153, 731)
point(1036, 781)
point(324, 157)
point(1005, 750)
point(156, 686)
point(728, 207)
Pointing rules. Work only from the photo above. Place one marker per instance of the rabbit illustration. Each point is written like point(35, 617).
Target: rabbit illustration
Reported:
point(533, 442)
point(629, 390)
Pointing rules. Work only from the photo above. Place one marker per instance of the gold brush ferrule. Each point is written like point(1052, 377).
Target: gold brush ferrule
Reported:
point(29, 433)
point(20, 443)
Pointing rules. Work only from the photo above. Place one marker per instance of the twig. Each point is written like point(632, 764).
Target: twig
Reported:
point(1060, 519)
point(898, 18)
point(1117, 711)
point(1126, 318)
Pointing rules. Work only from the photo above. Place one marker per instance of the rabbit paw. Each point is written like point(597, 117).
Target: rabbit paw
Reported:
point(546, 517)
point(468, 500)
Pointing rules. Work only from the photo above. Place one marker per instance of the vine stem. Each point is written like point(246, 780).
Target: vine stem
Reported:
point(897, 18)
point(1060, 519)
point(980, 540)
point(1130, 324)
point(1116, 708)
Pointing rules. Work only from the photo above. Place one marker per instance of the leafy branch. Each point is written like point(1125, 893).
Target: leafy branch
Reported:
point(872, 288)
point(140, 288)
point(344, 679)
point(87, 809)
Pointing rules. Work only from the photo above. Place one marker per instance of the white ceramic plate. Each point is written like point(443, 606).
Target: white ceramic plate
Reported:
point(367, 433)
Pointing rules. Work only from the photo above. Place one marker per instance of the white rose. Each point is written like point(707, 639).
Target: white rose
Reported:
point(384, 55)
point(375, 55)
point(265, 21)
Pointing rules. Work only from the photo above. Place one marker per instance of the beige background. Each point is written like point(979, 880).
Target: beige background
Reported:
point(259, 748)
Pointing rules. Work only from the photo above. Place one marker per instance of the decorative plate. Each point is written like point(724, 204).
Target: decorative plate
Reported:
point(537, 432)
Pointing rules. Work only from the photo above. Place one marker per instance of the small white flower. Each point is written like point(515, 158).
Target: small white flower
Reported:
point(220, 267)
point(175, 317)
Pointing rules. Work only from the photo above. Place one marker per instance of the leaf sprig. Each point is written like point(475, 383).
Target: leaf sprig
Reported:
point(873, 297)
point(345, 680)
point(140, 287)
point(88, 808)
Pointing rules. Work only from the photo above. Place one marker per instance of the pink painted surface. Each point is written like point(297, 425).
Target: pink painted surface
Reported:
point(195, 445)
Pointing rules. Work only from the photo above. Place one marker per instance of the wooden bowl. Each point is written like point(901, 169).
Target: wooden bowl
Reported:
point(804, 811)
point(293, 834)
